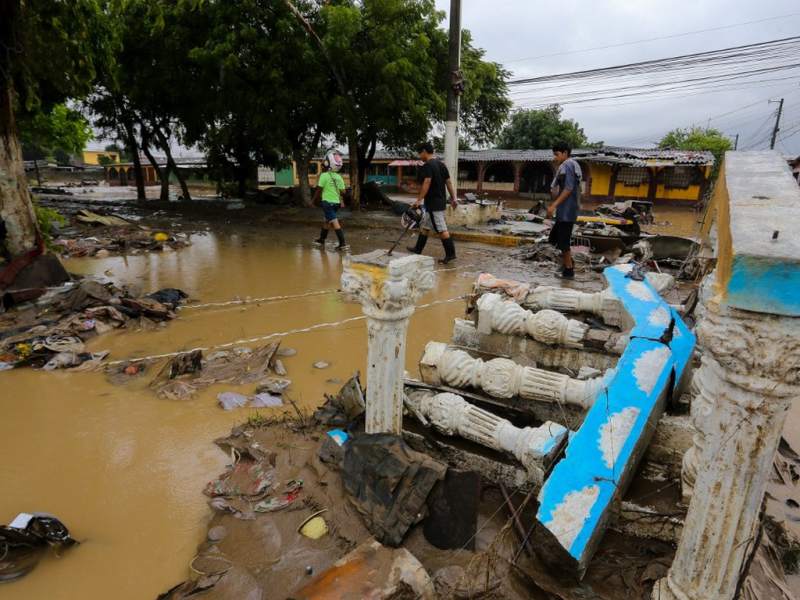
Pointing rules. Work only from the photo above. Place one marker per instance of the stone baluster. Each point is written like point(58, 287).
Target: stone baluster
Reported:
point(387, 287)
point(495, 313)
point(749, 333)
point(451, 415)
point(603, 304)
point(503, 378)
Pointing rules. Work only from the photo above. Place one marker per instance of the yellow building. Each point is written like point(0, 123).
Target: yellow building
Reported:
point(609, 173)
point(93, 157)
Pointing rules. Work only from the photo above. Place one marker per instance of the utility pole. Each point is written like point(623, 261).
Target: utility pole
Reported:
point(736, 142)
point(453, 94)
point(777, 125)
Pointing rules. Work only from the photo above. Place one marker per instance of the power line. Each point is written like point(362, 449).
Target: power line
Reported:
point(737, 54)
point(665, 37)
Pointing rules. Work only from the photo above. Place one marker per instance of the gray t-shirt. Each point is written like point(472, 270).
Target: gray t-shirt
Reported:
point(569, 176)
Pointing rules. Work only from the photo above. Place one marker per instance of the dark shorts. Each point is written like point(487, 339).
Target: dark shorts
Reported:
point(560, 234)
point(330, 209)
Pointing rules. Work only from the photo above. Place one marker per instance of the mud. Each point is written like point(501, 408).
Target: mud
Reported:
point(125, 470)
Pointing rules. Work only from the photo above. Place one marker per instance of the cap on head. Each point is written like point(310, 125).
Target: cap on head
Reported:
point(333, 161)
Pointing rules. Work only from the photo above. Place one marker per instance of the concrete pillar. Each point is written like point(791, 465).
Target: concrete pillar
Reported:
point(387, 287)
point(517, 176)
point(503, 378)
point(749, 331)
point(534, 447)
point(481, 174)
point(547, 326)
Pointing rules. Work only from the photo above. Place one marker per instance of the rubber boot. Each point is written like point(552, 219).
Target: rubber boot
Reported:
point(323, 235)
point(421, 241)
point(340, 236)
point(449, 251)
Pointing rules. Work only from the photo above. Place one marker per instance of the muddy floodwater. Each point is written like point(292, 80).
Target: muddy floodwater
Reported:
point(125, 470)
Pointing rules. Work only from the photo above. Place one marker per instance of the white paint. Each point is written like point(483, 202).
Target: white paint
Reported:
point(639, 290)
point(647, 368)
point(570, 516)
point(451, 415)
point(615, 432)
point(659, 317)
point(387, 290)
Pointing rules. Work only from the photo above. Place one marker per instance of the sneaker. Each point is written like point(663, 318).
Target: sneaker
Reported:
point(318, 243)
point(412, 249)
point(446, 260)
point(343, 248)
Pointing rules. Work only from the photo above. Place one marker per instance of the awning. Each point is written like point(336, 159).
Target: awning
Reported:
point(405, 163)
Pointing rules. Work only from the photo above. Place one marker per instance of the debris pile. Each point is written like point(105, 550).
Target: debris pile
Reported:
point(98, 235)
point(24, 541)
point(47, 328)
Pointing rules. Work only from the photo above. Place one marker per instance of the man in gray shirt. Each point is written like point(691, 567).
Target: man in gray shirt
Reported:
point(565, 191)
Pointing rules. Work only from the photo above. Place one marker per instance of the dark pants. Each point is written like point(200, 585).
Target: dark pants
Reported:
point(561, 234)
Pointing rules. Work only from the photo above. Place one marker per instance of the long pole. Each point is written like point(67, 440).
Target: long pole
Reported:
point(453, 94)
point(777, 125)
point(736, 143)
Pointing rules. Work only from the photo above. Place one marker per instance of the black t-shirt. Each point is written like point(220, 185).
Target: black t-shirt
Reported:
point(436, 198)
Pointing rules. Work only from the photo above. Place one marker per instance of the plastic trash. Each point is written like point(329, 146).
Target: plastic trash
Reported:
point(314, 527)
point(265, 400)
point(231, 400)
point(24, 541)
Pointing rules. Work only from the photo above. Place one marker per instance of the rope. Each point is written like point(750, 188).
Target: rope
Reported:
point(255, 300)
point(253, 340)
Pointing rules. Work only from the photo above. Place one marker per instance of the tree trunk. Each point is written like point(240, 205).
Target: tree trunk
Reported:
point(355, 182)
point(302, 155)
point(241, 181)
point(172, 165)
point(38, 173)
point(302, 178)
point(16, 208)
point(138, 174)
point(163, 174)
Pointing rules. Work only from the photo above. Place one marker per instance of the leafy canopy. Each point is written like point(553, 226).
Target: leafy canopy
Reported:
point(540, 129)
point(61, 131)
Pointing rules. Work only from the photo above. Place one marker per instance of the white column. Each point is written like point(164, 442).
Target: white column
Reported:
point(503, 378)
point(451, 414)
point(495, 313)
point(747, 380)
point(387, 288)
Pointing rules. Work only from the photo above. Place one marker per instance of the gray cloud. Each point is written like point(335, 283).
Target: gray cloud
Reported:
point(514, 29)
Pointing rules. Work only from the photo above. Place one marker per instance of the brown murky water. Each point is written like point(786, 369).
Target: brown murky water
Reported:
point(125, 470)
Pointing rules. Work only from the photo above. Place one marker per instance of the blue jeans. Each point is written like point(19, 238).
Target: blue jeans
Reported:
point(330, 209)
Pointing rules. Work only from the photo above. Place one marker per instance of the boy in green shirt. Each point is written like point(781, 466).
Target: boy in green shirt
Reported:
point(330, 187)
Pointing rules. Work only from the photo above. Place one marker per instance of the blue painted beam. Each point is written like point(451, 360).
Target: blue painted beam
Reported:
point(602, 456)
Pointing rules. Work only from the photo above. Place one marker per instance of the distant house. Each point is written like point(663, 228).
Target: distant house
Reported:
point(609, 173)
point(100, 157)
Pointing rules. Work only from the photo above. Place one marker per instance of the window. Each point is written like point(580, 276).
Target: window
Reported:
point(680, 177)
point(632, 176)
point(313, 168)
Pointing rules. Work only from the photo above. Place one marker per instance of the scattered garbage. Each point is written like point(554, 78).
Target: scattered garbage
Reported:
point(24, 541)
point(388, 483)
point(274, 385)
point(231, 400)
point(240, 366)
point(344, 407)
point(91, 218)
point(287, 352)
point(49, 331)
point(321, 364)
point(314, 527)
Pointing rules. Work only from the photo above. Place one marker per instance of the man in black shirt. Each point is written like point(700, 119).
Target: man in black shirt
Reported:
point(434, 178)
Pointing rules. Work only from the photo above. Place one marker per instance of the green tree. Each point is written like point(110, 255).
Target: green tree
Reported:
point(540, 129)
point(51, 51)
point(62, 131)
point(699, 139)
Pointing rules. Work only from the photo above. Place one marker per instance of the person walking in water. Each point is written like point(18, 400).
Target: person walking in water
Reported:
point(434, 179)
point(330, 188)
point(565, 191)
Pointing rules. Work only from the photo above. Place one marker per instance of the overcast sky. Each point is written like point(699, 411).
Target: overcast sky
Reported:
point(510, 30)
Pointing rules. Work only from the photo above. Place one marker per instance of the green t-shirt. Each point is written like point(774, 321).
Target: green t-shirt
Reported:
point(331, 184)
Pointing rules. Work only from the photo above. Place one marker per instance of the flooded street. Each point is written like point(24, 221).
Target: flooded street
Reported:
point(124, 469)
